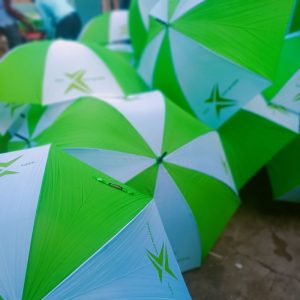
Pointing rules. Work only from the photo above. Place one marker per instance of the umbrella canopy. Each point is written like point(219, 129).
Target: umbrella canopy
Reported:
point(284, 173)
point(139, 24)
point(3, 142)
point(253, 136)
point(51, 72)
point(110, 30)
point(295, 21)
point(154, 146)
point(9, 114)
point(212, 56)
point(286, 88)
point(68, 232)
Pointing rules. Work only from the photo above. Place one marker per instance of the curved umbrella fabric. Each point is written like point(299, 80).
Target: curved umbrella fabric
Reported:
point(108, 28)
point(76, 233)
point(139, 24)
point(295, 21)
point(51, 72)
point(154, 146)
point(254, 135)
point(286, 88)
point(284, 173)
point(215, 55)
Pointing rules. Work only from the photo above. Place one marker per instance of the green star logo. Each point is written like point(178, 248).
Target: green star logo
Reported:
point(123, 30)
point(277, 108)
point(297, 97)
point(161, 262)
point(4, 171)
point(77, 82)
point(218, 101)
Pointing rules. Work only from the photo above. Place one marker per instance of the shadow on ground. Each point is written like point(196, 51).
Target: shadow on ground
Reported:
point(258, 256)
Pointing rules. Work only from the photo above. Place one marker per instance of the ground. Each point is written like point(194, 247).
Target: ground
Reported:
point(258, 256)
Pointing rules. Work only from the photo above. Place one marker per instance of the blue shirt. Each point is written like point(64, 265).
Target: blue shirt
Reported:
point(5, 18)
point(52, 12)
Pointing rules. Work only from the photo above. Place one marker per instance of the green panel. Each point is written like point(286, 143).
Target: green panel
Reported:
point(295, 23)
point(97, 30)
point(145, 182)
point(250, 33)
point(154, 29)
point(180, 128)
point(123, 72)
point(288, 65)
point(165, 77)
point(76, 216)
point(91, 123)
point(21, 73)
point(250, 141)
point(284, 169)
point(3, 142)
point(34, 114)
point(212, 203)
point(172, 4)
point(137, 30)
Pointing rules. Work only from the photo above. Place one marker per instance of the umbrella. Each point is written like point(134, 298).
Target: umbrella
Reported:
point(50, 72)
point(286, 88)
point(154, 146)
point(9, 115)
point(212, 57)
point(139, 23)
point(109, 30)
point(254, 135)
point(70, 232)
point(284, 173)
point(295, 21)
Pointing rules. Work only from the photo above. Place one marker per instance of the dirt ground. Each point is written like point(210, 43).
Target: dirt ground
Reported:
point(258, 256)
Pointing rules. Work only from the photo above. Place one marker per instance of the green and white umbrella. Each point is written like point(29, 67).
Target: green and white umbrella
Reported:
point(254, 135)
point(110, 30)
point(139, 23)
point(212, 56)
point(70, 232)
point(9, 115)
point(50, 72)
point(284, 173)
point(154, 146)
point(3, 142)
point(286, 88)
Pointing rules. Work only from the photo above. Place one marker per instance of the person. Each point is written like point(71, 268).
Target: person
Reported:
point(60, 18)
point(8, 23)
point(108, 5)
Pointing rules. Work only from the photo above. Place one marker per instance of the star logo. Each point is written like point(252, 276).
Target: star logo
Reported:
point(5, 165)
point(218, 101)
point(161, 263)
point(297, 97)
point(77, 82)
point(277, 108)
point(123, 30)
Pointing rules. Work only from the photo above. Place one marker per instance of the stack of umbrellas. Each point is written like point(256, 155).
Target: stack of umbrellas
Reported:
point(143, 173)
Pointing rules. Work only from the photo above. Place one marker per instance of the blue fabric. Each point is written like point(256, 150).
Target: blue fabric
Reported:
point(52, 12)
point(5, 18)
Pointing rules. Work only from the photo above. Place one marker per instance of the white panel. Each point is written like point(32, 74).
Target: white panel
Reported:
point(118, 26)
point(122, 269)
point(160, 10)
point(50, 116)
point(203, 74)
point(204, 154)
point(291, 196)
point(120, 47)
point(148, 58)
point(183, 7)
point(9, 113)
point(119, 165)
point(289, 95)
point(145, 8)
point(69, 76)
point(146, 113)
point(178, 220)
point(20, 184)
point(279, 116)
